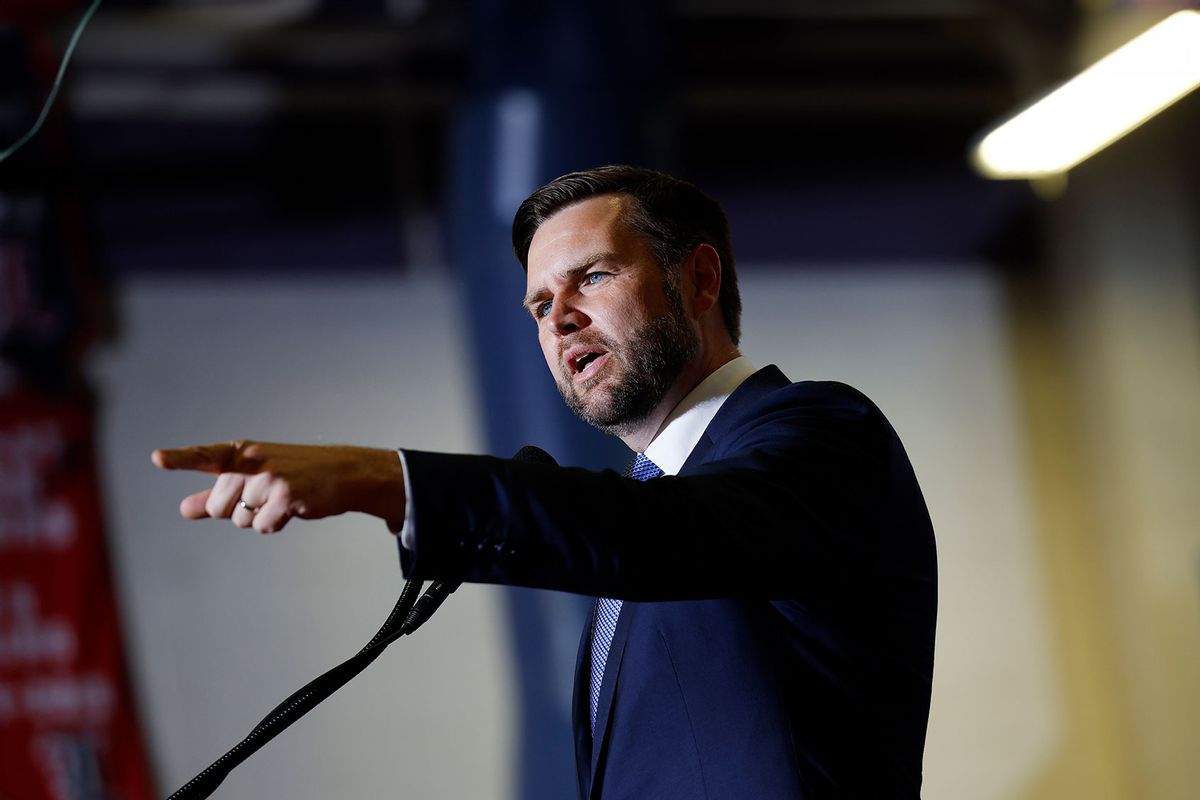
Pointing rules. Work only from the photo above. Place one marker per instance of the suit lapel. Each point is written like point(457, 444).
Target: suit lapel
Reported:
point(608, 686)
point(580, 712)
point(765, 380)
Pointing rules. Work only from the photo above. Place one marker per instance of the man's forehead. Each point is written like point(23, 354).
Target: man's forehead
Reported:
point(578, 224)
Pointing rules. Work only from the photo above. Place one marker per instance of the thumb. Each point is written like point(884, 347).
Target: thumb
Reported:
point(193, 506)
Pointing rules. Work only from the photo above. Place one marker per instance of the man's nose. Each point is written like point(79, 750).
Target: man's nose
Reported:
point(566, 317)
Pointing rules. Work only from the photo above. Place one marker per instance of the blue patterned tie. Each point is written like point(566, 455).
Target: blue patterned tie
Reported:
point(604, 620)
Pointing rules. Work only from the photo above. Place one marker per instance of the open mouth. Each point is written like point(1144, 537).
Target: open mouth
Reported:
point(584, 362)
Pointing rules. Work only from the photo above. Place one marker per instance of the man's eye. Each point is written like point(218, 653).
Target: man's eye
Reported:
point(593, 278)
point(541, 309)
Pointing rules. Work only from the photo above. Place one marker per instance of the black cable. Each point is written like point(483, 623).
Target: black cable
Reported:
point(58, 79)
point(307, 697)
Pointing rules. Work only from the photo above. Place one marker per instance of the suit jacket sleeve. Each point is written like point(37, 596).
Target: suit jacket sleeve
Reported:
point(793, 484)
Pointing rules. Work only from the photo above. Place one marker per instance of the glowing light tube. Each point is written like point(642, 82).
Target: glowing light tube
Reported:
point(1098, 106)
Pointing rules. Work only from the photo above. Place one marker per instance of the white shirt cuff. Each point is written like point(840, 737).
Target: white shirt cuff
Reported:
point(408, 532)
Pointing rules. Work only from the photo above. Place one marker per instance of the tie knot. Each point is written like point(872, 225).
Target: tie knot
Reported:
point(643, 469)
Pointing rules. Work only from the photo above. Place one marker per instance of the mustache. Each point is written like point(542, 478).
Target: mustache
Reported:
point(586, 340)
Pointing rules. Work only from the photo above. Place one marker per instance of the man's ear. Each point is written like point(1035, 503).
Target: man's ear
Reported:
point(702, 279)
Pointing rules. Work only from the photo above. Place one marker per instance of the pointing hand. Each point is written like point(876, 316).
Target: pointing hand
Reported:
point(263, 485)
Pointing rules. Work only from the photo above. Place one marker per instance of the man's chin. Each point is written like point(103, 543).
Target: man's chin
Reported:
point(600, 409)
point(592, 405)
point(610, 423)
point(593, 396)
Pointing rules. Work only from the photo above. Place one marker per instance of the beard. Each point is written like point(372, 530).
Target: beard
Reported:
point(649, 363)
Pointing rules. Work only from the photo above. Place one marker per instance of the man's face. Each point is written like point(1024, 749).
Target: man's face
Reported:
point(612, 330)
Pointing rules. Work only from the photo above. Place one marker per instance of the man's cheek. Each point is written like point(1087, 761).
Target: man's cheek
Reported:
point(550, 354)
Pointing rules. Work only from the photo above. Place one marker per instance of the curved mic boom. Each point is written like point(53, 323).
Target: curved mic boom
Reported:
point(409, 613)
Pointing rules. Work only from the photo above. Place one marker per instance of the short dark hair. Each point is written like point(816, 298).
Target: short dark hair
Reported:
point(673, 216)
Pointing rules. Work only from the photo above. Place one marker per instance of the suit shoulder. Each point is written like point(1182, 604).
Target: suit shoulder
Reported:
point(832, 396)
point(829, 392)
point(767, 406)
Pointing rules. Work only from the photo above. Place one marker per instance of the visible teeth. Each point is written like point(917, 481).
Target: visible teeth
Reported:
point(586, 359)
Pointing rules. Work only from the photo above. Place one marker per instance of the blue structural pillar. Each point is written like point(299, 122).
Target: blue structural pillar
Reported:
point(556, 85)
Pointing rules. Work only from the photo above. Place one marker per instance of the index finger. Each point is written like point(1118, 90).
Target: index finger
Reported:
point(202, 458)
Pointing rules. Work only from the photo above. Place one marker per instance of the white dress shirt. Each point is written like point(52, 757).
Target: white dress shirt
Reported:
point(686, 423)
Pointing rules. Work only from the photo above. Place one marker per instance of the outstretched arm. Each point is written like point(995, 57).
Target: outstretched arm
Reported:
point(263, 485)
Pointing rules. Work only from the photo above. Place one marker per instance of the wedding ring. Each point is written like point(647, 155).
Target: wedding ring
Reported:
point(246, 506)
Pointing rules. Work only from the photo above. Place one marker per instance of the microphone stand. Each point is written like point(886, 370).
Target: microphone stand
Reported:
point(411, 611)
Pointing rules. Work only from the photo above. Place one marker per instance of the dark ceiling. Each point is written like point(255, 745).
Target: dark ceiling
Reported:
point(310, 136)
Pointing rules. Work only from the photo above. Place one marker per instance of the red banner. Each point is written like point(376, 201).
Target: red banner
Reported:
point(68, 730)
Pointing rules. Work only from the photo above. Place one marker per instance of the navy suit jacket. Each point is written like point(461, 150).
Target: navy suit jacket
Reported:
point(777, 639)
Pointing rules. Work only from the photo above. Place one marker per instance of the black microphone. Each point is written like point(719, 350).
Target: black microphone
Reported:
point(535, 455)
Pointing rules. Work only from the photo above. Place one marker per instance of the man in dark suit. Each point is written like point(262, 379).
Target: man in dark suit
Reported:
point(766, 575)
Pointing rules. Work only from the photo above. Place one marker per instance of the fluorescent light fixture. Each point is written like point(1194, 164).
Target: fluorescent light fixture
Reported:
point(1098, 106)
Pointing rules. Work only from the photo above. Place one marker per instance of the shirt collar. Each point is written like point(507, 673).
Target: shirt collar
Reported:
point(688, 420)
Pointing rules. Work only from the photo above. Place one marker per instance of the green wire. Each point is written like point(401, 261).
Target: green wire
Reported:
point(37, 126)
